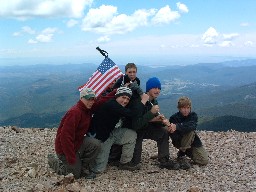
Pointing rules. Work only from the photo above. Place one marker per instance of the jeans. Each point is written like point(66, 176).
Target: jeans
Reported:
point(156, 133)
point(199, 154)
point(87, 152)
point(120, 136)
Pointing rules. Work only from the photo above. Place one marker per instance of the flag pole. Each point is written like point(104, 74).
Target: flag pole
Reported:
point(103, 52)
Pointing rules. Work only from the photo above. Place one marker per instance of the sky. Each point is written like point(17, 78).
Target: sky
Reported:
point(147, 32)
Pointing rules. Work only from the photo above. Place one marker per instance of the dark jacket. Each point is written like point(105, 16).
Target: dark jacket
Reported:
point(185, 125)
point(123, 80)
point(143, 115)
point(108, 115)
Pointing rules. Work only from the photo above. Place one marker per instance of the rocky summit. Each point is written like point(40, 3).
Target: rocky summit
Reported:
point(232, 166)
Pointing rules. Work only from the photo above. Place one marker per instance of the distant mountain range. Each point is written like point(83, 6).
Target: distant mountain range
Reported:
point(38, 96)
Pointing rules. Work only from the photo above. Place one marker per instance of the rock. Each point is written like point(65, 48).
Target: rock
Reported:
point(194, 189)
point(24, 167)
point(32, 173)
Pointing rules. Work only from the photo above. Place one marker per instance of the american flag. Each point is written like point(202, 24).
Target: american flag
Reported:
point(105, 74)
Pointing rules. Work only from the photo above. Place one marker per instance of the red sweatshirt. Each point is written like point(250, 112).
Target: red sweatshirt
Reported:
point(73, 126)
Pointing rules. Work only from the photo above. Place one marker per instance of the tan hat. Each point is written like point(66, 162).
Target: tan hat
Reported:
point(87, 93)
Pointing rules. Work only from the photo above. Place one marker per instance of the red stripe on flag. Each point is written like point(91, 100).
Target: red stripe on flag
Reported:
point(107, 81)
point(103, 77)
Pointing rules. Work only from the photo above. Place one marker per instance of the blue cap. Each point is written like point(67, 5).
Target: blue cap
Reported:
point(153, 82)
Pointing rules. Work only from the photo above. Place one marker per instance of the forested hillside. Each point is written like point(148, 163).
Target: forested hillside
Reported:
point(38, 96)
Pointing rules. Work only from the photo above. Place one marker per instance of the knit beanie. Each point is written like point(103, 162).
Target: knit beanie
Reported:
point(123, 91)
point(153, 82)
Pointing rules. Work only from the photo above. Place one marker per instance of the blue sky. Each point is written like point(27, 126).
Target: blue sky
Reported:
point(153, 32)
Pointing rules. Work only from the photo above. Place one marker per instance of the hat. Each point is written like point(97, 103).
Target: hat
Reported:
point(153, 82)
point(123, 91)
point(87, 93)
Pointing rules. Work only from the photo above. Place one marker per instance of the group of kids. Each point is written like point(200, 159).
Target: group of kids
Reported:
point(110, 130)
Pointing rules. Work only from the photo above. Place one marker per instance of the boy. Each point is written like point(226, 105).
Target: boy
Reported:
point(104, 125)
point(130, 76)
point(74, 149)
point(150, 125)
point(183, 135)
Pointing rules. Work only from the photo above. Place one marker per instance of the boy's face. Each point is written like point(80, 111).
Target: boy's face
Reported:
point(154, 93)
point(88, 102)
point(123, 100)
point(131, 72)
point(185, 110)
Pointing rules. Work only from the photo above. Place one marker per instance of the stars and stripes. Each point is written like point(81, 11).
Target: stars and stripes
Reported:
point(105, 74)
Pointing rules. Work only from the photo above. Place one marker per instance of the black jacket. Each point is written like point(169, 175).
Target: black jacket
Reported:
point(123, 80)
point(142, 115)
point(107, 116)
point(185, 125)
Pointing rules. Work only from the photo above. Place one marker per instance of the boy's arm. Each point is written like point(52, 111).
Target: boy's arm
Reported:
point(141, 119)
point(185, 126)
point(118, 83)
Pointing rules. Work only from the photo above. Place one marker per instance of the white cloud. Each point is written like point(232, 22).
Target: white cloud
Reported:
point(72, 23)
point(31, 41)
point(44, 38)
point(245, 24)
point(46, 35)
point(210, 36)
point(226, 44)
point(165, 15)
point(23, 9)
point(28, 30)
point(16, 34)
point(249, 44)
point(182, 7)
point(103, 39)
point(49, 30)
point(230, 36)
point(106, 20)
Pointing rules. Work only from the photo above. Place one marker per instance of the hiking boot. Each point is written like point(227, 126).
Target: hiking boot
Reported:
point(168, 164)
point(113, 163)
point(164, 159)
point(56, 164)
point(91, 175)
point(189, 152)
point(181, 154)
point(183, 162)
point(129, 166)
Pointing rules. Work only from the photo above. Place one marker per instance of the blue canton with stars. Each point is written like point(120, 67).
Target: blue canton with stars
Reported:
point(106, 65)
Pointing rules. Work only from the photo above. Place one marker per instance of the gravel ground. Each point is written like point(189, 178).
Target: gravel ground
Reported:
point(232, 167)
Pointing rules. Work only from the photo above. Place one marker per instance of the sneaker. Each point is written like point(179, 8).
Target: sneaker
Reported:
point(171, 165)
point(56, 164)
point(129, 166)
point(183, 162)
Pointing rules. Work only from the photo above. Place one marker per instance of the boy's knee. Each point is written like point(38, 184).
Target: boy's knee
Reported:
point(200, 156)
point(132, 135)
